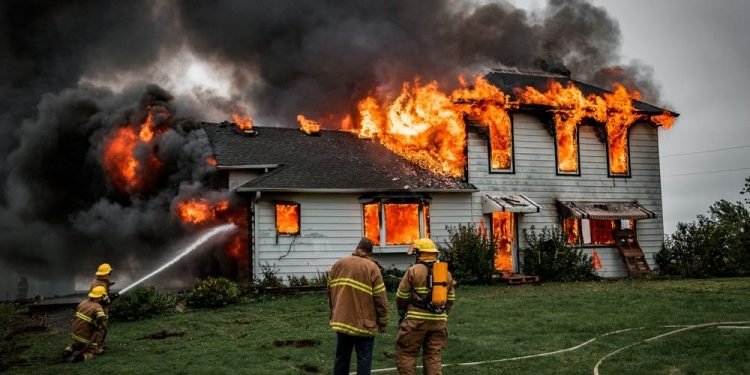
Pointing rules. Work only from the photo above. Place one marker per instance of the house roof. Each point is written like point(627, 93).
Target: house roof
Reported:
point(333, 161)
point(510, 79)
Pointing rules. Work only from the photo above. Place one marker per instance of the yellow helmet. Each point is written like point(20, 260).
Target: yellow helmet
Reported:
point(104, 269)
point(425, 245)
point(97, 292)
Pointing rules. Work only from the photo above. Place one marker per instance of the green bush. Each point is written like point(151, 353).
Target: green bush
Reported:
point(549, 257)
point(470, 254)
point(715, 245)
point(295, 280)
point(321, 279)
point(142, 302)
point(392, 277)
point(269, 277)
point(213, 292)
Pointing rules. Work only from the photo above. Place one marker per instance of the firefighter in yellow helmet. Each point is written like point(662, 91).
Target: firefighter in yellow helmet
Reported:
point(102, 279)
point(423, 299)
point(85, 327)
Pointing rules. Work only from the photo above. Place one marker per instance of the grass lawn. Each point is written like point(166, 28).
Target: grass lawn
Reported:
point(488, 323)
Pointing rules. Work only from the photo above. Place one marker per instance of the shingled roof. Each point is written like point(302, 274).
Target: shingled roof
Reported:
point(333, 161)
point(510, 79)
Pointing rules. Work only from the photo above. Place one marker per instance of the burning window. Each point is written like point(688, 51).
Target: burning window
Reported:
point(618, 153)
point(403, 222)
point(593, 232)
point(566, 148)
point(503, 232)
point(288, 218)
point(501, 145)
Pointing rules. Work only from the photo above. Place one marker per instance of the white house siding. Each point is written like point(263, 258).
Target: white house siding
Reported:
point(331, 226)
point(535, 176)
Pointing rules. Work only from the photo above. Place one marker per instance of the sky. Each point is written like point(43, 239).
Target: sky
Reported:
point(700, 52)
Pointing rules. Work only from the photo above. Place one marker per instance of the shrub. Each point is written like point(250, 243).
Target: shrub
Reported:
point(470, 254)
point(392, 277)
point(269, 278)
point(321, 279)
point(212, 292)
point(141, 302)
point(715, 245)
point(295, 280)
point(549, 257)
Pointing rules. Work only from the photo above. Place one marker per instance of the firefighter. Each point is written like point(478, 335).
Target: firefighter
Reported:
point(89, 319)
point(102, 279)
point(358, 307)
point(424, 320)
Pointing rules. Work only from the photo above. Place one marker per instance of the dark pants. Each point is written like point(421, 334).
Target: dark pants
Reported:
point(344, 345)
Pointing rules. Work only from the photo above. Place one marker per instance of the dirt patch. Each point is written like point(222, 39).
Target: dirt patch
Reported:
point(297, 343)
point(161, 335)
point(306, 367)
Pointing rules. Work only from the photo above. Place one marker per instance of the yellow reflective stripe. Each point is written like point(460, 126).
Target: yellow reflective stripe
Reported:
point(347, 279)
point(351, 284)
point(101, 314)
point(401, 294)
point(79, 338)
point(350, 329)
point(451, 296)
point(378, 288)
point(422, 290)
point(425, 316)
point(83, 317)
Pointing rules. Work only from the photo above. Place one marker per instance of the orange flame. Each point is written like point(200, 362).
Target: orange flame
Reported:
point(199, 211)
point(242, 120)
point(126, 172)
point(665, 119)
point(372, 120)
point(372, 222)
point(401, 223)
point(622, 115)
point(211, 161)
point(308, 126)
point(596, 261)
point(571, 230)
point(503, 233)
point(287, 218)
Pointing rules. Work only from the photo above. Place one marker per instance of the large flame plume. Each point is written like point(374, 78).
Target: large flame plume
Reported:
point(203, 212)
point(427, 126)
point(129, 157)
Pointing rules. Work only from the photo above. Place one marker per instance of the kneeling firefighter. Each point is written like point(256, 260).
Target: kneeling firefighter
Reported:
point(424, 299)
point(86, 327)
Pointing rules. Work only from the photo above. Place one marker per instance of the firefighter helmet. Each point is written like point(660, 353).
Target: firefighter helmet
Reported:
point(104, 269)
point(425, 245)
point(98, 292)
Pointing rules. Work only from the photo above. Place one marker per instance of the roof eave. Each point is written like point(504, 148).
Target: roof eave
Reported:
point(353, 190)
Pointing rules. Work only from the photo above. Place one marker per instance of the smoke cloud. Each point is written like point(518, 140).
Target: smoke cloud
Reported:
point(73, 72)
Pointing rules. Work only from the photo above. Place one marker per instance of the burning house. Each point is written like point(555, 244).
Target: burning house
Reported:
point(552, 151)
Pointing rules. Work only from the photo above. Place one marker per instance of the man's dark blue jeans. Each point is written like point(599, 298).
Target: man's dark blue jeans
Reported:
point(344, 345)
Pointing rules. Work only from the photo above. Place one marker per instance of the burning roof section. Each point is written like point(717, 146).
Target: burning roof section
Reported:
point(332, 161)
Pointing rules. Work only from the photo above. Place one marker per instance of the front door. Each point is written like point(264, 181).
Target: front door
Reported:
point(503, 233)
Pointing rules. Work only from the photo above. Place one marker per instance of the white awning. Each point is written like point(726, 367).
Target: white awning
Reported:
point(508, 203)
point(604, 210)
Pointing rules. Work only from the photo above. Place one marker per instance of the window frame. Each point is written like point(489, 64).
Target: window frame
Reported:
point(579, 240)
point(629, 173)
point(577, 173)
point(276, 218)
point(423, 213)
point(512, 169)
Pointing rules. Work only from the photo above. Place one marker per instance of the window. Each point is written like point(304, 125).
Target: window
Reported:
point(403, 222)
point(618, 153)
point(503, 232)
point(566, 148)
point(593, 232)
point(288, 218)
point(501, 144)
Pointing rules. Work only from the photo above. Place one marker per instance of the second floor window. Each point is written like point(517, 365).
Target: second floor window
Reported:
point(501, 144)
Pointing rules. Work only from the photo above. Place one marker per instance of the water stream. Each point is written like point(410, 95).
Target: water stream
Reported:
point(190, 248)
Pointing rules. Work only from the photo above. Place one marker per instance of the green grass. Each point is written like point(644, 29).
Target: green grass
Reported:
point(488, 322)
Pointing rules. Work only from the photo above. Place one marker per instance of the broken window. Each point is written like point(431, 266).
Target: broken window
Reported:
point(593, 232)
point(501, 145)
point(288, 218)
point(398, 223)
point(566, 148)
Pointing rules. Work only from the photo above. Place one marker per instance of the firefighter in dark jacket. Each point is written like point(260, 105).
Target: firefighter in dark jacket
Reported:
point(424, 324)
point(89, 319)
point(358, 307)
point(102, 279)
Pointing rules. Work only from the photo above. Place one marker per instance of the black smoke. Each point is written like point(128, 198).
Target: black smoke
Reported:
point(58, 208)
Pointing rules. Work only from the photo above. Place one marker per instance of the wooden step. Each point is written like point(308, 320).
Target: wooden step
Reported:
point(516, 279)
